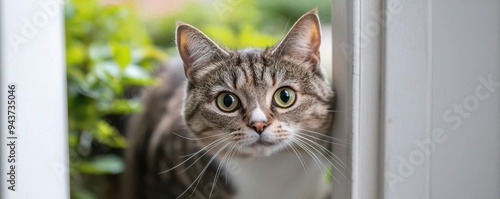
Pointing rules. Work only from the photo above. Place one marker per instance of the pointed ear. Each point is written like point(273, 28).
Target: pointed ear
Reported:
point(196, 50)
point(303, 40)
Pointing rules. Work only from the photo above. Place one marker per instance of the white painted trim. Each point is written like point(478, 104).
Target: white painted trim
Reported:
point(357, 78)
point(367, 46)
point(36, 66)
point(387, 95)
point(357, 67)
point(342, 85)
point(407, 96)
point(366, 142)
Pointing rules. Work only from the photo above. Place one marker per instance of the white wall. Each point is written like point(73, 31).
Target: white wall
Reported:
point(465, 49)
point(441, 122)
point(32, 58)
point(424, 124)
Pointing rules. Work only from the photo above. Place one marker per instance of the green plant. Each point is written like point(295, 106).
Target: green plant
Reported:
point(107, 51)
point(237, 23)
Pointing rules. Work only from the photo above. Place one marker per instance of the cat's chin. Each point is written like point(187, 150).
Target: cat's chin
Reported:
point(256, 153)
point(260, 150)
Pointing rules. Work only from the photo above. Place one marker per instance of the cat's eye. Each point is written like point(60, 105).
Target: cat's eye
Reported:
point(228, 102)
point(284, 97)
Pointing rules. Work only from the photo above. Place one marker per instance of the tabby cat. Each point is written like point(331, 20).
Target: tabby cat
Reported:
point(236, 108)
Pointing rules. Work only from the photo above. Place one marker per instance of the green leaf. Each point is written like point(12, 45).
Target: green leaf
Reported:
point(121, 54)
point(133, 71)
point(76, 82)
point(99, 51)
point(83, 113)
point(81, 193)
point(75, 54)
point(106, 134)
point(136, 75)
point(122, 106)
point(106, 70)
point(73, 140)
point(150, 52)
point(103, 164)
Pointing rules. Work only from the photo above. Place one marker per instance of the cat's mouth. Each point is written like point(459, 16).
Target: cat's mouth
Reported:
point(261, 143)
point(262, 147)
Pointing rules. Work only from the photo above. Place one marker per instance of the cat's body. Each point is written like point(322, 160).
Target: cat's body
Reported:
point(243, 125)
point(154, 148)
point(279, 176)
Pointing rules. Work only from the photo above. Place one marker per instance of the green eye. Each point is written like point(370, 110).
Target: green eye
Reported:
point(227, 102)
point(284, 97)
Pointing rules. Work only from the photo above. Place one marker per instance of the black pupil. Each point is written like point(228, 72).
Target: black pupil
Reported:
point(285, 96)
point(228, 100)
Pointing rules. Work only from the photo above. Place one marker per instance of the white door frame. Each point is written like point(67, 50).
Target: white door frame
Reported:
point(368, 47)
point(32, 58)
point(357, 68)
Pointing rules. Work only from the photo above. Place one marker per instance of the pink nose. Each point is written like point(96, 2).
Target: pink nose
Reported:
point(258, 126)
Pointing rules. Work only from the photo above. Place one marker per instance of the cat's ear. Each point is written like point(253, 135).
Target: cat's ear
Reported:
point(303, 40)
point(196, 50)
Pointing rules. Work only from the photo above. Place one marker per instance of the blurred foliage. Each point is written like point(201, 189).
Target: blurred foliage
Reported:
point(238, 23)
point(107, 50)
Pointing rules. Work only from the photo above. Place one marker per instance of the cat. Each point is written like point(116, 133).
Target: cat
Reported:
point(223, 105)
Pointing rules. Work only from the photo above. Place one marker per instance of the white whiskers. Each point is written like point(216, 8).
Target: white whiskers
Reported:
point(307, 141)
point(218, 141)
point(198, 179)
point(188, 138)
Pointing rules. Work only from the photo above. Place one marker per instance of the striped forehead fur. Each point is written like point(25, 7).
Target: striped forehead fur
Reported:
point(250, 73)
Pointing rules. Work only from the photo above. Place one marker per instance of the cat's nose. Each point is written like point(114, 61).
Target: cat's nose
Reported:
point(258, 120)
point(258, 126)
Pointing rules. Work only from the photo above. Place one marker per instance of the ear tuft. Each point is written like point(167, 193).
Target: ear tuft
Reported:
point(196, 50)
point(303, 40)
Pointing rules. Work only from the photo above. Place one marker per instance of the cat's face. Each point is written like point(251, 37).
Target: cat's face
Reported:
point(255, 102)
